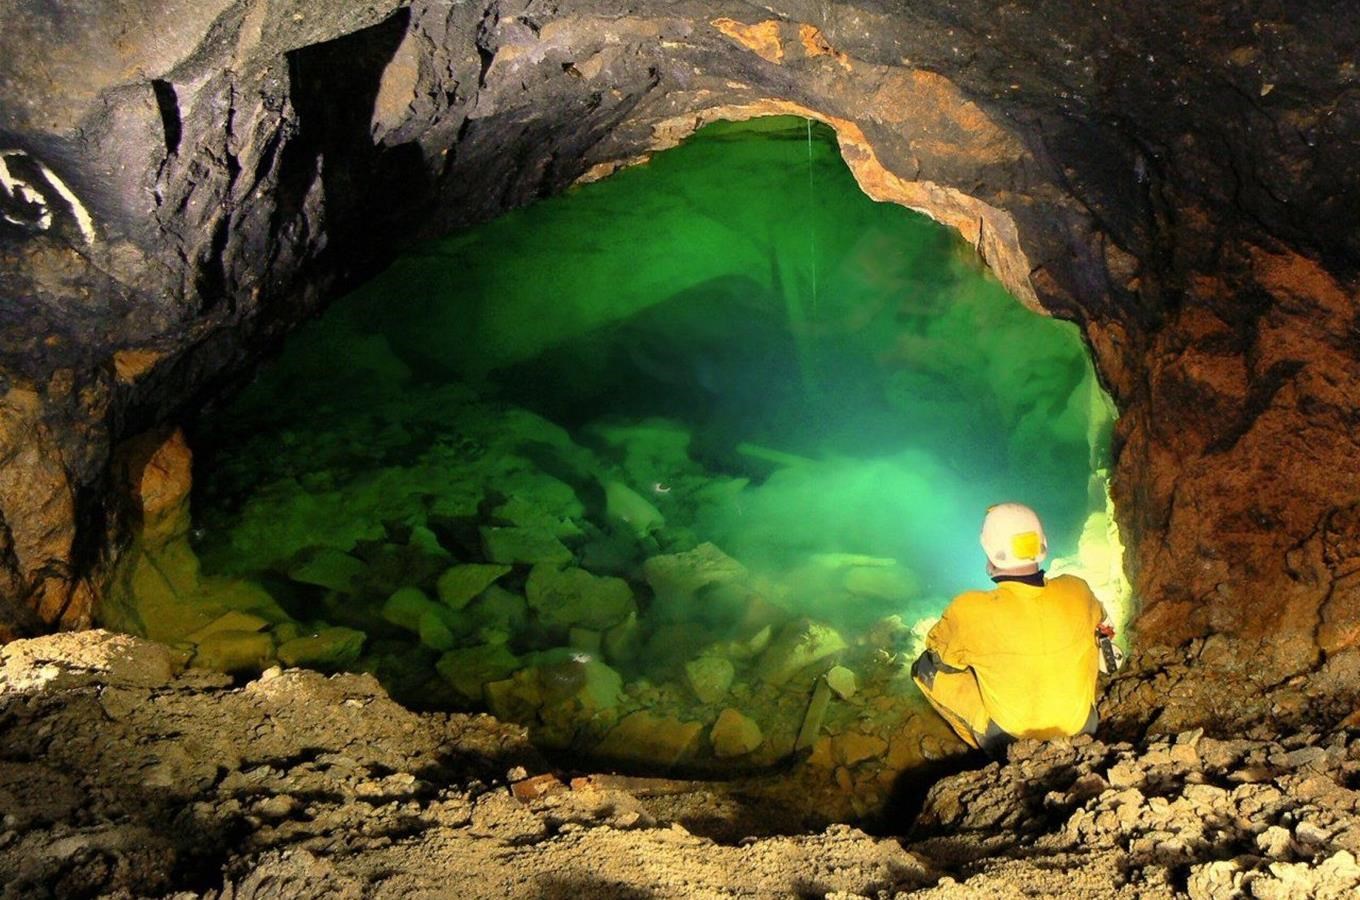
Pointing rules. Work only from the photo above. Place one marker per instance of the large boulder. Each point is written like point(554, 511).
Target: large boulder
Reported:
point(650, 739)
point(734, 734)
point(329, 568)
point(469, 670)
point(798, 645)
point(460, 584)
point(498, 613)
point(631, 511)
point(523, 545)
point(709, 677)
point(235, 652)
point(678, 578)
point(563, 597)
point(405, 607)
point(329, 649)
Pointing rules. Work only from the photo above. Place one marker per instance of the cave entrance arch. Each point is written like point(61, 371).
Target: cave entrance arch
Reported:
point(608, 488)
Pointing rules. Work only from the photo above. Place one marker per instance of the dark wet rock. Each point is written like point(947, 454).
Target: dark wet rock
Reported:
point(564, 597)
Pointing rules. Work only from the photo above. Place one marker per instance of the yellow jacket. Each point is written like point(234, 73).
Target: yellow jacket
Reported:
point(1033, 651)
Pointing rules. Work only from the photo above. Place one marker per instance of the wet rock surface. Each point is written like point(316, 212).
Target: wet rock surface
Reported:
point(121, 774)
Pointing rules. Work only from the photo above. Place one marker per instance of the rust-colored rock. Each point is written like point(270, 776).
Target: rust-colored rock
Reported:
point(764, 39)
point(158, 468)
point(530, 789)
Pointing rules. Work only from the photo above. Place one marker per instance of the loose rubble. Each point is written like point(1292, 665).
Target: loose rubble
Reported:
point(122, 774)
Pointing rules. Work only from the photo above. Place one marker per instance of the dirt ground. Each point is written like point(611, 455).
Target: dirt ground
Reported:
point(122, 777)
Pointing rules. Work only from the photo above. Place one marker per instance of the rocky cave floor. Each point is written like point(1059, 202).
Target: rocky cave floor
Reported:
point(121, 776)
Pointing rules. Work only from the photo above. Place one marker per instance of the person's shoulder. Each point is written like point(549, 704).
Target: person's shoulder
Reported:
point(1070, 584)
point(971, 598)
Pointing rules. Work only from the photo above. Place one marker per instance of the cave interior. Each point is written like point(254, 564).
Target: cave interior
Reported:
point(274, 285)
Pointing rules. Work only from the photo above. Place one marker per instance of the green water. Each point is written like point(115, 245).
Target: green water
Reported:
point(730, 348)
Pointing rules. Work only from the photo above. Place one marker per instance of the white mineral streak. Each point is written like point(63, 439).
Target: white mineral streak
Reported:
point(26, 192)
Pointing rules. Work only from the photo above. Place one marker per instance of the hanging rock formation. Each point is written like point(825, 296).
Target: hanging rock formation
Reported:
point(1180, 180)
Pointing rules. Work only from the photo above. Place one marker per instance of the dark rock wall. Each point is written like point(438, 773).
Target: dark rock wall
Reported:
point(184, 182)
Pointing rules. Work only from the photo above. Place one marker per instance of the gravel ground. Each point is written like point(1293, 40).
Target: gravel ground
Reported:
point(120, 776)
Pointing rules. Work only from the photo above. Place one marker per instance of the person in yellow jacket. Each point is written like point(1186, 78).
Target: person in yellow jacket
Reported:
point(1018, 661)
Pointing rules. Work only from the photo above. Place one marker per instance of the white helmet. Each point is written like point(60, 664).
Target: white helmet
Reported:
point(1013, 537)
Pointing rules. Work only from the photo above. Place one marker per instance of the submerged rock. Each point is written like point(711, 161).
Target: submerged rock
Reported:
point(622, 642)
point(498, 611)
point(328, 567)
point(563, 597)
point(524, 513)
point(328, 649)
point(425, 541)
point(892, 582)
point(678, 578)
point(235, 652)
point(229, 621)
point(709, 677)
point(460, 584)
point(734, 734)
point(814, 716)
point(406, 606)
point(516, 698)
point(630, 509)
point(523, 545)
point(243, 595)
point(579, 677)
point(855, 746)
point(585, 640)
point(841, 681)
point(799, 644)
point(436, 629)
point(647, 738)
point(470, 669)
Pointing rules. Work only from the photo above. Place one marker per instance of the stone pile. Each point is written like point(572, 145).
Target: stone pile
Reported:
point(465, 576)
point(1211, 817)
point(121, 775)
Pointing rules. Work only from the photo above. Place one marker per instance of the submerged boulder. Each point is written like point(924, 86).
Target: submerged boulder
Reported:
point(709, 677)
point(891, 581)
point(437, 629)
point(734, 734)
point(498, 612)
point(647, 738)
point(561, 690)
point(523, 545)
point(678, 578)
point(622, 642)
point(243, 595)
point(470, 669)
point(842, 682)
point(799, 644)
point(516, 698)
point(580, 677)
point(563, 597)
point(235, 652)
point(631, 510)
point(524, 513)
point(234, 620)
point(460, 584)
point(405, 607)
point(328, 649)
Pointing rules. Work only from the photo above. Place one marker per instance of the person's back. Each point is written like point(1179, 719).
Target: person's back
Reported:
point(1020, 660)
